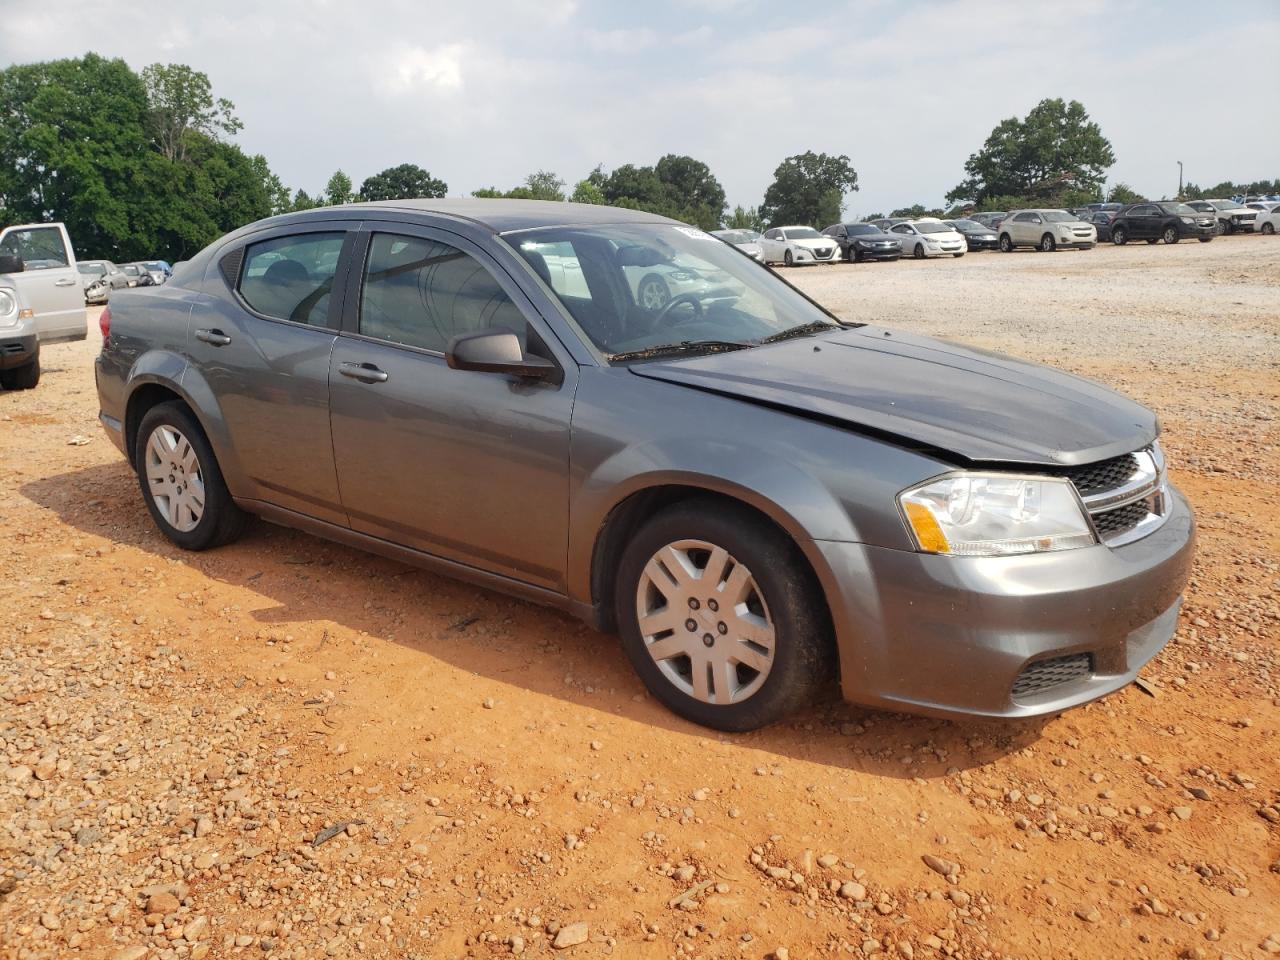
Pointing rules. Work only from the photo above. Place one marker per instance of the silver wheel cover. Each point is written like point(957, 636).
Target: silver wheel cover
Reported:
point(174, 478)
point(653, 295)
point(704, 621)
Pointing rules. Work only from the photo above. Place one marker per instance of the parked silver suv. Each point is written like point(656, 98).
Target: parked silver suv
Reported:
point(41, 299)
point(756, 495)
point(1046, 230)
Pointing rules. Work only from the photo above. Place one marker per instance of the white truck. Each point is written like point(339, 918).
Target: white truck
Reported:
point(41, 299)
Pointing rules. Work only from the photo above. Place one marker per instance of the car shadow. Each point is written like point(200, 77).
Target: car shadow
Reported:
point(306, 579)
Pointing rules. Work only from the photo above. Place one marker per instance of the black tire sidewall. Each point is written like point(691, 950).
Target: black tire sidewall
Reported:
point(211, 529)
point(802, 654)
point(25, 377)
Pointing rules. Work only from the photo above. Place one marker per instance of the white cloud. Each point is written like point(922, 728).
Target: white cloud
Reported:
point(621, 41)
point(414, 70)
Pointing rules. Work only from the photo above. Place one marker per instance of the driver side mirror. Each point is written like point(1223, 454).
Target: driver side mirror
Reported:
point(497, 350)
point(11, 263)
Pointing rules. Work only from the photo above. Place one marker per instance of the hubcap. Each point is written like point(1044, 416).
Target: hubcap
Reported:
point(652, 296)
point(704, 622)
point(174, 478)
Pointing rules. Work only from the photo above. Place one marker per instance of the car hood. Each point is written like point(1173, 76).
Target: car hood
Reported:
point(811, 243)
point(974, 405)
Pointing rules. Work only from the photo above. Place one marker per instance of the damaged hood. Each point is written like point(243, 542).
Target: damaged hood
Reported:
point(974, 405)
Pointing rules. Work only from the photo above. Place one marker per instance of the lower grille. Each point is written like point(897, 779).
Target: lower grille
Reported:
point(1112, 522)
point(1044, 674)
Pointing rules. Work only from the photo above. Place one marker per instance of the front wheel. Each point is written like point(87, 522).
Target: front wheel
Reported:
point(721, 616)
point(918, 252)
point(1119, 236)
point(1048, 244)
point(1268, 228)
point(1205, 239)
point(25, 377)
point(181, 483)
point(1170, 235)
point(1006, 243)
point(786, 259)
point(653, 293)
point(1151, 240)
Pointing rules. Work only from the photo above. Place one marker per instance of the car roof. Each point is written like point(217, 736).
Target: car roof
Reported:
point(500, 216)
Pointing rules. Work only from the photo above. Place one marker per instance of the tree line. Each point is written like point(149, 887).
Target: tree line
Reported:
point(139, 165)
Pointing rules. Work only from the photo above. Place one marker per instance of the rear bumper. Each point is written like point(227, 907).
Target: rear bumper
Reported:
point(950, 636)
point(17, 350)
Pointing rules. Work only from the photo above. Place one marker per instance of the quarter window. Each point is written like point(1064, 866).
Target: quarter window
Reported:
point(291, 278)
point(423, 293)
point(40, 248)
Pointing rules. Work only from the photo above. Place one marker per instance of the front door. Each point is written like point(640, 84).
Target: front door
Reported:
point(264, 357)
point(49, 284)
point(468, 466)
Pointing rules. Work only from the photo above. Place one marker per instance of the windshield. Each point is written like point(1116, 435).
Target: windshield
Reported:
point(861, 229)
point(92, 269)
point(153, 265)
point(636, 287)
point(1059, 216)
point(738, 236)
point(801, 233)
point(969, 225)
point(1222, 204)
point(929, 226)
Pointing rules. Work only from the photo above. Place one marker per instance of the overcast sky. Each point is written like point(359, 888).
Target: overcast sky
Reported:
point(482, 93)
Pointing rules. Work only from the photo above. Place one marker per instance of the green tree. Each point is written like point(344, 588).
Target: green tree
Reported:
point(745, 218)
point(809, 188)
point(337, 190)
point(1123, 193)
point(404, 182)
point(1055, 147)
point(488, 193)
point(677, 186)
point(304, 201)
point(587, 192)
point(277, 192)
point(180, 99)
point(916, 211)
point(543, 185)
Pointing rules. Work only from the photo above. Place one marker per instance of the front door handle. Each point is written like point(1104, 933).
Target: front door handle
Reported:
point(216, 337)
point(65, 282)
point(364, 372)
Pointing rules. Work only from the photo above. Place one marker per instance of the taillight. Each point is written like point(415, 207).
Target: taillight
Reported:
point(104, 322)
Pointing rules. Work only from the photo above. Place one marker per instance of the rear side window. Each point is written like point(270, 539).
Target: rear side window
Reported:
point(423, 293)
point(291, 278)
point(40, 248)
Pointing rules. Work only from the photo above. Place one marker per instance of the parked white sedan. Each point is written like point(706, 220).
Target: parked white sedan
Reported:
point(929, 237)
point(1268, 219)
point(795, 246)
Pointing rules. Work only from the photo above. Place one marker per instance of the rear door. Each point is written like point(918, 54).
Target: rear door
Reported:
point(469, 466)
point(50, 284)
point(264, 352)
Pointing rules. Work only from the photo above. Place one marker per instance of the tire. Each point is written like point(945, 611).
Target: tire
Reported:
point(1223, 227)
point(851, 255)
point(1268, 228)
point(1170, 235)
point(1153, 240)
point(24, 377)
point(786, 259)
point(1047, 244)
point(1006, 243)
point(1205, 239)
point(918, 252)
point(220, 521)
point(782, 600)
point(957, 255)
point(652, 293)
point(1119, 236)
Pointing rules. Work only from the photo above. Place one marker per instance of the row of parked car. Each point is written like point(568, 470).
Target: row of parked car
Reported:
point(890, 238)
point(100, 277)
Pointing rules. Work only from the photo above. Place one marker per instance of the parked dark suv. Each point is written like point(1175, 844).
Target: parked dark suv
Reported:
point(1167, 220)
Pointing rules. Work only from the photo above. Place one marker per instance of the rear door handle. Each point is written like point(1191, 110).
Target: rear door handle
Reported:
point(65, 282)
point(364, 372)
point(216, 337)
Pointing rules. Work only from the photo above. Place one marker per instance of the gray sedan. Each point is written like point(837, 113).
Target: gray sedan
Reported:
point(757, 496)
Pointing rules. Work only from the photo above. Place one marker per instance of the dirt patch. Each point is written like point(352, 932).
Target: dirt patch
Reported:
point(183, 733)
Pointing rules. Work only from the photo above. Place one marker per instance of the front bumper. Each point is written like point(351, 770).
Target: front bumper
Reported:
point(976, 244)
point(945, 250)
point(951, 636)
point(879, 253)
point(16, 350)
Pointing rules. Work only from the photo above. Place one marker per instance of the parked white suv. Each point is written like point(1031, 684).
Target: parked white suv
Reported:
point(1232, 217)
point(1046, 230)
point(41, 299)
point(797, 245)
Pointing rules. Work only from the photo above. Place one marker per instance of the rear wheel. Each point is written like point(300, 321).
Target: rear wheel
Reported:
point(1153, 240)
point(1048, 244)
point(1006, 243)
point(721, 617)
point(181, 483)
point(1119, 236)
point(1170, 235)
point(24, 377)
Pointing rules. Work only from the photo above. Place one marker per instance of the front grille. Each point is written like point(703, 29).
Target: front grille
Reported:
point(1121, 519)
point(823, 252)
point(1044, 674)
point(1107, 475)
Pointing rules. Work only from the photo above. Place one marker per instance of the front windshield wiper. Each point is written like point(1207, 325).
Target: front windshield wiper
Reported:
point(816, 326)
point(684, 346)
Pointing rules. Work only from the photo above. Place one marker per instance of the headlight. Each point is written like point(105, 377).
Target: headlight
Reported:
point(8, 304)
point(994, 515)
point(1187, 219)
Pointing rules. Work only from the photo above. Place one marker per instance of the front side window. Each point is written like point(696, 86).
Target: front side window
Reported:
point(423, 293)
point(39, 248)
point(649, 287)
point(291, 278)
